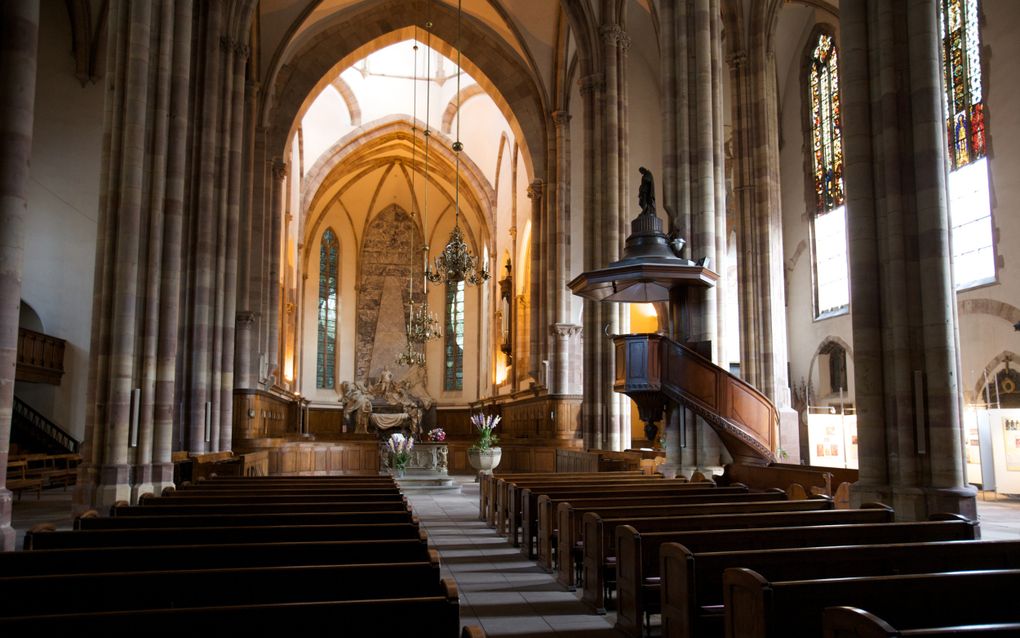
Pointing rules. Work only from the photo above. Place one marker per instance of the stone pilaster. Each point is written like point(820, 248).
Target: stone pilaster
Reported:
point(276, 207)
point(559, 243)
point(538, 301)
point(904, 321)
point(19, 44)
point(565, 382)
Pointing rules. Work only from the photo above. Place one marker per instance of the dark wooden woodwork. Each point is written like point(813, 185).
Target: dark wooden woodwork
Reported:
point(693, 581)
point(851, 622)
point(653, 369)
point(40, 357)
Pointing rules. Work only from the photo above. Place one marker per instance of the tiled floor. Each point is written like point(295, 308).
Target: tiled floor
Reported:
point(500, 590)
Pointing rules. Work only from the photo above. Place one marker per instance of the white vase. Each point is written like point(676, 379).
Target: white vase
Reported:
point(484, 460)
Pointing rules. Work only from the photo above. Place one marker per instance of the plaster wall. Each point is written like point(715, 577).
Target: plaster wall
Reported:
point(63, 212)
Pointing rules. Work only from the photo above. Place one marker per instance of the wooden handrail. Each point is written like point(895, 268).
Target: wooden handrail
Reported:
point(653, 369)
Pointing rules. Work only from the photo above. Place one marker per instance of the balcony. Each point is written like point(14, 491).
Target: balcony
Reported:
point(40, 357)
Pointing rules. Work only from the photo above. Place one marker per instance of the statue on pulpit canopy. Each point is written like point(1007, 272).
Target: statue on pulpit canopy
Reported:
point(646, 192)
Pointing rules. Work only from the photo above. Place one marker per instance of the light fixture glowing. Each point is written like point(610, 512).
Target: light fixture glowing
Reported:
point(456, 263)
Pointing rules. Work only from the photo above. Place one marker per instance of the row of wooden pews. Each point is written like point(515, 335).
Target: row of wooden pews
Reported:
point(745, 562)
point(232, 556)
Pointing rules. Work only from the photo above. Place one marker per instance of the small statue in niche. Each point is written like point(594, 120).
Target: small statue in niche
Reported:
point(646, 192)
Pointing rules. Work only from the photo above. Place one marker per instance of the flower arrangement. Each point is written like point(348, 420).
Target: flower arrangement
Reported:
point(400, 447)
point(485, 424)
point(437, 435)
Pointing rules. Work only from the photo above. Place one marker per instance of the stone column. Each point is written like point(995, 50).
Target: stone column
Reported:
point(276, 206)
point(593, 405)
point(537, 303)
point(904, 321)
point(19, 43)
point(559, 240)
point(563, 333)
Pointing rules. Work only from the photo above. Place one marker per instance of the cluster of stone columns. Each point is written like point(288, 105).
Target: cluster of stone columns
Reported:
point(166, 252)
point(606, 414)
point(904, 305)
point(19, 44)
point(693, 184)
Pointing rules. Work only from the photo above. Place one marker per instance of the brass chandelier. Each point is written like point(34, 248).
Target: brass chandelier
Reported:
point(456, 263)
point(422, 325)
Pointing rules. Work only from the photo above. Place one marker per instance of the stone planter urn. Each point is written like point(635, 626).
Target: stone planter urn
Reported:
point(484, 460)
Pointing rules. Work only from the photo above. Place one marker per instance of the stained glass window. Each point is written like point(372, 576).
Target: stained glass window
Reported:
point(325, 361)
point(453, 376)
point(966, 134)
point(832, 281)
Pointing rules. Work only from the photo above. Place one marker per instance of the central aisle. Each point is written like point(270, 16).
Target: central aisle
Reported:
point(499, 589)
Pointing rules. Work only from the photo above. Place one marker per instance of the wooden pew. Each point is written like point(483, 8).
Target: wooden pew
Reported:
point(693, 581)
point(504, 487)
point(487, 487)
point(599, 534)
point(50, 539)
point(212, 499)
point(18, 480)
point(117, 559)
point(571, 526)
point(177, 588)
point(548, 506)
point(238, 520)
point(433, 617)
point(530, 496)
point(851, 622)
point(297, 490)
point(509, 524)
point(149, 509)
point(758, 608)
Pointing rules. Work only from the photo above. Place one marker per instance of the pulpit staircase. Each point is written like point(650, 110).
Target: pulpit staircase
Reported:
point(653, 369)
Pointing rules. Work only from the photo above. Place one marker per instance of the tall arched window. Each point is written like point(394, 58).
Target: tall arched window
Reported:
point(832, 281)
point(453, 375)
point(969, 206)
point(325, 360)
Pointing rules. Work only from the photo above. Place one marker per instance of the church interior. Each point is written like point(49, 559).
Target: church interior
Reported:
point(529, 276)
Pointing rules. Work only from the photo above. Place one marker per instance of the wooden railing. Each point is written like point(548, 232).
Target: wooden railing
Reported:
point(40, 357)
point(653, 370)
point(38, 427)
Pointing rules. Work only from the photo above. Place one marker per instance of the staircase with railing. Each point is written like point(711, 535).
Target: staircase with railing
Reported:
point(653, 369)
point(28, 424)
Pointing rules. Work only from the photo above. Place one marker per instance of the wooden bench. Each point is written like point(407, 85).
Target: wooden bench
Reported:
point(851, 622)
point(178, 498)
point(530, 497)
point(151, 509)
point(509, 523)
point(504, 487)
point(599, 534)
point(759, 608)
point(433, 617)
point(548, 506)
point(49, 539)
point(487, 488)
point(177, 588)
point(691, 593)
point(296, 490)
point(116, 559)
point(571, 526)
point(237, 520)
point(18, 480)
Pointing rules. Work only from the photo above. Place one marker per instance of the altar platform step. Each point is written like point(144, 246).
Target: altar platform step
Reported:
point(425, 484)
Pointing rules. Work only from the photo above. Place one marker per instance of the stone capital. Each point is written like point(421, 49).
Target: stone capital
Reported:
point(565, 330)
point(535, 189)
point(561, 118)
point(612, 33)
point(279, 169)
